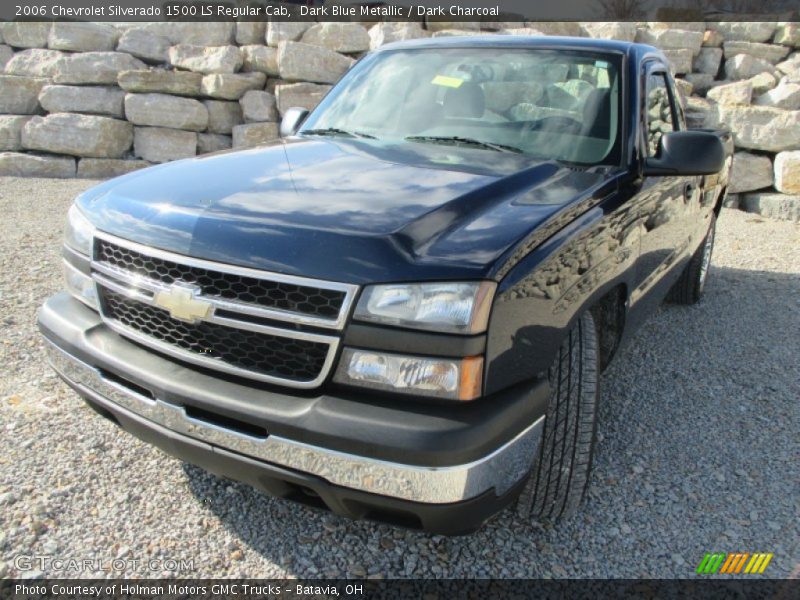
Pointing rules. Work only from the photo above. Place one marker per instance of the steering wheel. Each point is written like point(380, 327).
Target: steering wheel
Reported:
point(555, 124)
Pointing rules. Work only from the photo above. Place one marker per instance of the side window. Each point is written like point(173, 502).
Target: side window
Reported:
point(660, 118)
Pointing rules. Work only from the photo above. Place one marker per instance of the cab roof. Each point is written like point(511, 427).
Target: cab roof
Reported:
point(524, 41)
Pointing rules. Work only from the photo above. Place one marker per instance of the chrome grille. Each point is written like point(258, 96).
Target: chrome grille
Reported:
point(256, 322)
point(291, 297)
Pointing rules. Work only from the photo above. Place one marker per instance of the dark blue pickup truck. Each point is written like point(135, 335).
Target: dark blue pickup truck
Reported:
point(400, 310)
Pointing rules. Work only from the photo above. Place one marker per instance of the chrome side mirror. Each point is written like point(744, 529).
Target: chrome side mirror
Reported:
point(291, 121)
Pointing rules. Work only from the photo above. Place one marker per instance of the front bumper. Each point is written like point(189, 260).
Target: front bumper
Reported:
point(340, 452)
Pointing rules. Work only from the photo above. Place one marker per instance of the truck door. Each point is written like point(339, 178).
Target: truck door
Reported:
point(666, 203)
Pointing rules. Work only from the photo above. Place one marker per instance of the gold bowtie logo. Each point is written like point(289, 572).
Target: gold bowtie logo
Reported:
point(182, 303)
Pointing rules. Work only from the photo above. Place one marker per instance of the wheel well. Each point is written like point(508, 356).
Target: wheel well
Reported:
point(609, 319)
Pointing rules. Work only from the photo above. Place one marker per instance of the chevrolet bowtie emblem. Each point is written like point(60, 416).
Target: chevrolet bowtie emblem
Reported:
point(182, 303)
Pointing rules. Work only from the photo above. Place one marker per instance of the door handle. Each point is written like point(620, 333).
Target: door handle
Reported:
point(688, 191)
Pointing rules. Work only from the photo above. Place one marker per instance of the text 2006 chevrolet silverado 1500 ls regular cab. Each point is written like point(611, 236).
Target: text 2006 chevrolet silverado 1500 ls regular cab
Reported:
point(399, 311)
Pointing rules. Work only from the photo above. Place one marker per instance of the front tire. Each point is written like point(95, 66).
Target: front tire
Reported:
point(560, 473)
point(689, 288)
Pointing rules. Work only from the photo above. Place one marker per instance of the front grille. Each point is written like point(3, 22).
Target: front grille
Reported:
point(283, 357)
point(306, 300)
point(253, 324)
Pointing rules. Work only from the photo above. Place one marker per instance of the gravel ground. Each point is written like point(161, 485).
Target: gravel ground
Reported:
point(698, 447)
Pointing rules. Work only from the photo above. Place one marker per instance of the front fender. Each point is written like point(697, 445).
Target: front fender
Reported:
point(539, 299)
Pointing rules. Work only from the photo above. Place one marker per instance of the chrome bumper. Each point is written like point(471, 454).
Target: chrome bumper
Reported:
point(499, 470)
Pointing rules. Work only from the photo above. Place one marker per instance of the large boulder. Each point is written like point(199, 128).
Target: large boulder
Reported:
point(786, 95)
point(103, 168)
point(206, 59)
point(701, 82)
point(158, 145)
point(145, 45)
point(745, 66)
point(223, 116)
point(712, 39)
point(749, 172)
point(768, 52)
point(78, 36)
point(562, 28)
point(755, 31)
point(263, 59)
point(304, 62)
point(78, 135)
point(5, 55)
point(301, 95)
point(758, 127)
point(671, 39)
point(232, 86)
point(788, 34)
point(83, 99)
point(787, 172)
point(473, 26)
point(34, 62)
point(18, 164)
point(94, 67)
point(162, 110)
point(790, 66)
point(763, 82)
point(251, 32)
point(697, 26)
point(611, 30)
point(182, 83)
point(707, 61)
point(213, 142)
point(339, 37)
point(25, 34)
point(11, 131)
point(680, 60)
point(258, 106)
point(285, 31)
point(776, 206)
point(697, 111)
point(737, 93)
point(205, 33)
point(385, 33)
point(20, 95)
point(254, 134)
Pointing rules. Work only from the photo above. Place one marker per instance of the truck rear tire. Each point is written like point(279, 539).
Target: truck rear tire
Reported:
point(560, 473)
point(689, 288)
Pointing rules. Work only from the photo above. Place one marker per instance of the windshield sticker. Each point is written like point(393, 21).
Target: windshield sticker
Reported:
point(451, 82)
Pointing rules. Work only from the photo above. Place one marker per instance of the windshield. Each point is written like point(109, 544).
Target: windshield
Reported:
point(548, 104)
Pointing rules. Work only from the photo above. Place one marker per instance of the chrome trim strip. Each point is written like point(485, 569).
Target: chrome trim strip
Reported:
point(218, 365)
point(134, 294)
point(498, 470)
point(349, 290)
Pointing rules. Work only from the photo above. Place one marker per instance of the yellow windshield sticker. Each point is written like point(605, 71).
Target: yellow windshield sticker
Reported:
point(452, 82)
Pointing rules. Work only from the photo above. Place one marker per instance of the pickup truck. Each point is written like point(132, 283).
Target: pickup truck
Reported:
point(399, 310)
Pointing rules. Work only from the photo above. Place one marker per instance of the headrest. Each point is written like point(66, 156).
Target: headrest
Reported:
point(597, 113)
point(467, 100)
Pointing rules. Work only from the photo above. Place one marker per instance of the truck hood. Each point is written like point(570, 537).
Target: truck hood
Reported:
point(346, 210)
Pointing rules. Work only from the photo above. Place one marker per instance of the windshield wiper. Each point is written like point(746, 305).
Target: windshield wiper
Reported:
point(337, 131)
point(456, 139)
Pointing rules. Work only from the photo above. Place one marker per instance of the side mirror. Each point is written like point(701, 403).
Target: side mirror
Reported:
point(292, 119)
point(687, 153)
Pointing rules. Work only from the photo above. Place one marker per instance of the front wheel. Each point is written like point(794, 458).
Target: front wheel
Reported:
point(560, 473)
point(689, 288)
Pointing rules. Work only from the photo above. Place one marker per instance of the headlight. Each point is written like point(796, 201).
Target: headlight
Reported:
point(454, 379)
point(81, 286)
point(446, 307)
point(79, 232)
